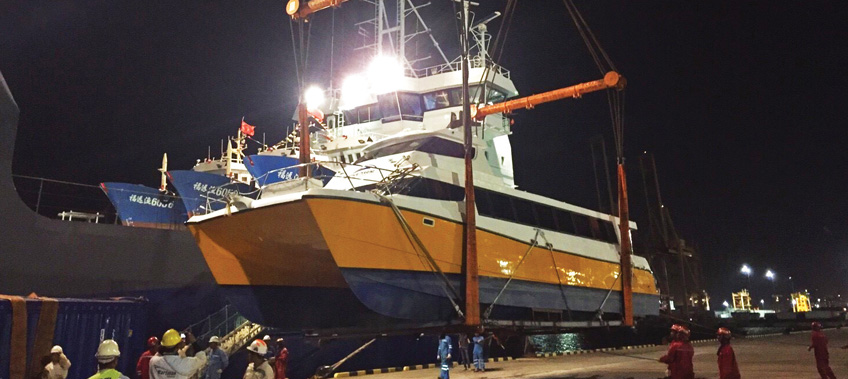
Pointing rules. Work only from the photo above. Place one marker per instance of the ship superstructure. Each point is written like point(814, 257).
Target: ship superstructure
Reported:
point(385, 237)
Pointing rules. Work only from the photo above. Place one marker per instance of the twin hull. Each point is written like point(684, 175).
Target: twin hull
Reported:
point(351, 262)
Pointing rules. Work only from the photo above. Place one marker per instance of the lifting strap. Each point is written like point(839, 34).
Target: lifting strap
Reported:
point(18, 340)
point(44, 331)
point(600, 312)
point(416, 242)
point(533, 243)
point(559, 278)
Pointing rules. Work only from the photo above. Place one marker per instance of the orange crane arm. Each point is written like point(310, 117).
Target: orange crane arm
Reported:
point(298, 9)
point(611, 80)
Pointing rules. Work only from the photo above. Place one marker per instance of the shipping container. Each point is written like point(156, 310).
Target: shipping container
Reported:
point(79, 326)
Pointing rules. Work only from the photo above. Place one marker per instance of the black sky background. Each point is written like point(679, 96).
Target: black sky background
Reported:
point(743, 105)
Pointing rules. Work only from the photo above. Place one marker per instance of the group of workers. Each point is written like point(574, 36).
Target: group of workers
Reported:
point(680, 353)
point(178, 356)
point(445, 347)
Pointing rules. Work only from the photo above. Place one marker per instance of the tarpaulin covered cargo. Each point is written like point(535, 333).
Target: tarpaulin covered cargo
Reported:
point(30, 327)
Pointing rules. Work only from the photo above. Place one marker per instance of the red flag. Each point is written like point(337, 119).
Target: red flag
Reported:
point(247, 128)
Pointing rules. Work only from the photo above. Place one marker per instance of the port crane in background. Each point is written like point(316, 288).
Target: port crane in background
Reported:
point(677, 265)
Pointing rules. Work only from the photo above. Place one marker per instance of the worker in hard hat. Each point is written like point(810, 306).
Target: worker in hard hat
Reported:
point(819, 346)
point(679, 355)
point(169, 364)
point(281, 361)
point(443, 354)
point(272, 352)
point(258, 368)
point(727, 367)
point(216, 358)
point(477, 351)
point(107, 359)
point(59, 364)
point(142, 368)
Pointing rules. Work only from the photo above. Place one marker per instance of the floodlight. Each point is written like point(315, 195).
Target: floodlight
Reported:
point(313, 97)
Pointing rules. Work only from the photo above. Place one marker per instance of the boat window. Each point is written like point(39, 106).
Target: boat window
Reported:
point(501, 206)
point(545, 216)
point(581, 225)
point(436, 100)
point(524, 212)
point(351, 116)
point(428, 188)
point(610, 231)
point(400, 105)
point(564, 222)
point(495, 96)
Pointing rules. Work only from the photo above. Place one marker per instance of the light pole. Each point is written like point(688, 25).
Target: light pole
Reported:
point(770, 275)
point(747, 271)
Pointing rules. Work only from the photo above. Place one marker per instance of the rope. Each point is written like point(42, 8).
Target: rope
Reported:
point(559, 279)
point(294, 52)
point(434, 267)
point(534, 243)
point(600, 310)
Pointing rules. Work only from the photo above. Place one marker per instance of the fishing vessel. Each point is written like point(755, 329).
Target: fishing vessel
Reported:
point(204, 188)
point(383, 240)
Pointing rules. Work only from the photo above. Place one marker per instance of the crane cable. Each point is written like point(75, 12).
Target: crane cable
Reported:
point(614, 98)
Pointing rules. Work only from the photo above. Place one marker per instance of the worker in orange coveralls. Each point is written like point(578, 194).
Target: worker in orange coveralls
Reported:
point(819, 344)
point(727, 367)
point(679, 355)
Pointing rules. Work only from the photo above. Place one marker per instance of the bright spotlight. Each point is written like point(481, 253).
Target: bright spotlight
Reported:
point(384, 73)
point(725, 304)
point(746, 270)
point(314, 98)
point(354, 92)
point(770, 274)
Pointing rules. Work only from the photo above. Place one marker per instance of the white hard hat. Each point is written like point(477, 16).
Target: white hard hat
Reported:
point(107, 351)
point(266, 338)
point(258, 347)
point(56, 349)
point(182, 336)
point(214, 339)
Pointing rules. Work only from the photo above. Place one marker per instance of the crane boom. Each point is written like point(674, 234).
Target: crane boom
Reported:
point(612, 79)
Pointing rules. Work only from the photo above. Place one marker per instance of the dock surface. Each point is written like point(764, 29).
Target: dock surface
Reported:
point(783, 356)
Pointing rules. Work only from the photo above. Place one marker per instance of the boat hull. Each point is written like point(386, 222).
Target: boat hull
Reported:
point(143, 206)
point(357, 251)
point(203, 192)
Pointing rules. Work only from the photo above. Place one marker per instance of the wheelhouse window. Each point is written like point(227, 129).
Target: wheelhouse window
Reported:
point(400, 105)
point(362, 114)
point(453, 97)
point(427, 188)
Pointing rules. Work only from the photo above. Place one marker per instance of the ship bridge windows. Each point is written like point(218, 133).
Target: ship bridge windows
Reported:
point(430, 145)
point(427, 188)
point(453, 97)
point(400, 105)
point(362, 114)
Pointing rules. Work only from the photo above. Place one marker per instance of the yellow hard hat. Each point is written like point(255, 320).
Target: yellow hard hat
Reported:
point(171, 338)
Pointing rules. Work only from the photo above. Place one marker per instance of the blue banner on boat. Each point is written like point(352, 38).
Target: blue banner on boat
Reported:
point(269, 169)
point(204, 192)
point(139, 205)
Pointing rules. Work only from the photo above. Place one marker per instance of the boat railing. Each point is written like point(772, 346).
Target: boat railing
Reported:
point(51, 198)
point(456, 65)
point(343, 170)
point(233, 329)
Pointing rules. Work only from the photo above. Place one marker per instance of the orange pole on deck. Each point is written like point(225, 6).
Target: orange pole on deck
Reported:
point(611, 80)
point(298, 9)
point(626, 266)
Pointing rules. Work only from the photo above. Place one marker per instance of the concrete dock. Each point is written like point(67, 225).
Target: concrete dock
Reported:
point(783, 356)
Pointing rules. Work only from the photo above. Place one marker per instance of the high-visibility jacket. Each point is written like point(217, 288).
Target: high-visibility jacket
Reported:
point(679, 360)
point(108, 374)
point(727, 367)
point(175, 366)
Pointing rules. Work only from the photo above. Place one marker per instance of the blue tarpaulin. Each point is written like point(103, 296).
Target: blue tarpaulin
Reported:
point(79, 328)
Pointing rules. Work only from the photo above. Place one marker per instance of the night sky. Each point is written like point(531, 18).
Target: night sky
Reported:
point(743, 106)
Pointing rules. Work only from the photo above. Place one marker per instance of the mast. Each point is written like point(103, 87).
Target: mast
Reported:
point(472, 284)
point(626, 265)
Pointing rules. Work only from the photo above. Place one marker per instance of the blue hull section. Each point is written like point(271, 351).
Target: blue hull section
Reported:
point(203, 192)
point(270, 169)
point(420, 296)
point(141, 205)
